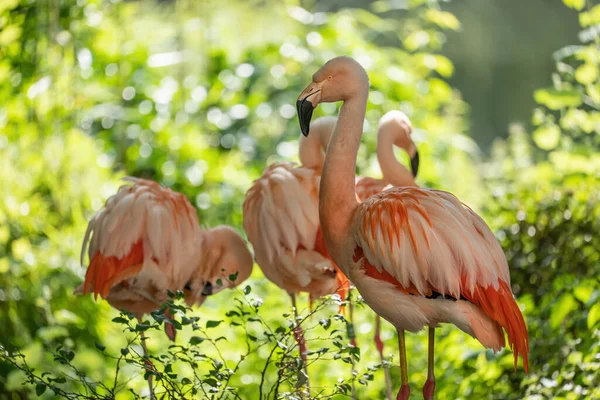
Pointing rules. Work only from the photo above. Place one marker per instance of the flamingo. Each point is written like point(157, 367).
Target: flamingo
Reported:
point(281, 220)
point(147, 240)
point(419, 257)
point(394, 129)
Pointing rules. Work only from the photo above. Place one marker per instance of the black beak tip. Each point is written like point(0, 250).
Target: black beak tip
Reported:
point(414, 164)
point(305, 111)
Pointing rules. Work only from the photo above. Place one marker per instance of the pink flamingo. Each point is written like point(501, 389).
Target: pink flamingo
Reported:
point(419, 257)
point(281, 220)
point(394, 129)
point(146, 241)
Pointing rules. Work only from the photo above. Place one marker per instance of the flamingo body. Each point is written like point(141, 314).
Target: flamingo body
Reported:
point(421, 257)
point(281, 219)
point(417, 256)
point(147, 240)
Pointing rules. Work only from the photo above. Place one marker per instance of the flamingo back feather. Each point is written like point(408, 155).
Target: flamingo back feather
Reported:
point(425, 240)
point(144, 231)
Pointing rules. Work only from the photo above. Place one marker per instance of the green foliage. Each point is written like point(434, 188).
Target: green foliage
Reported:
point(178, 93)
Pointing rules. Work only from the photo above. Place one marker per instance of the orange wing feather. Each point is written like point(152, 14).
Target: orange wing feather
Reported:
point(105, 272)
point(499, 304)
point(386, 215)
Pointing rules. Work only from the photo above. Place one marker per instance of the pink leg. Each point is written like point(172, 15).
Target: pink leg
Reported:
point(404, 392)
point(147, 362)
point(300, 340)
point(429, 387)
point(386, 371)
point(351, 332)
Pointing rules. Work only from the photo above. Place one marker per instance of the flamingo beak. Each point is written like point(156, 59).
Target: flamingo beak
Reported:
point(305, 107)
point(414, 163)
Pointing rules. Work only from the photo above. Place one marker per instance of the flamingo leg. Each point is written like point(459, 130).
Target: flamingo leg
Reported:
point(404, 392)
point(300, 340)
point(386, 371)
point(429, 387)
point(148, 364)
point(352, 337)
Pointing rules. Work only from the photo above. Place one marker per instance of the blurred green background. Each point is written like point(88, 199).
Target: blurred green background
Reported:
point(199, 95)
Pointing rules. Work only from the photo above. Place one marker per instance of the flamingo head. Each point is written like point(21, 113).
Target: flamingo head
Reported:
point(226, 262)
point(396, 125)
point(339, 79)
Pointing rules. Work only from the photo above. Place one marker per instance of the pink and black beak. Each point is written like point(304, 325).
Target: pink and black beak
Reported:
point(414, 163)
point(305, 111)
point(305, 105)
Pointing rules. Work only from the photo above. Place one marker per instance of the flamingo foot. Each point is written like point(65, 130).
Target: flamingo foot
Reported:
point(404, 393)
point(429, 389)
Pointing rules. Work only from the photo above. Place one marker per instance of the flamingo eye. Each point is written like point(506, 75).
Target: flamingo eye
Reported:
point(208, 289)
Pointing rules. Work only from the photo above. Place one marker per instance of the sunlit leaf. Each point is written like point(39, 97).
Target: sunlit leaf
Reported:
point(557, 99)
point(593, 316)
point(547, 137)
point(443, 19)
point(591, 17)
point(576, 4)
point(561, 308)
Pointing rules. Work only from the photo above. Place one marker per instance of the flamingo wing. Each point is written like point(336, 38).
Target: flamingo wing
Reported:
point(367, 187)
point(281, 215)
point(144, 229)
point(427, 243)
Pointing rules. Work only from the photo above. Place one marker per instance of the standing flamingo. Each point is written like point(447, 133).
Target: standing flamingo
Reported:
point(394, 129)
point(417, 256)
point(281, 219)
point(147, 240)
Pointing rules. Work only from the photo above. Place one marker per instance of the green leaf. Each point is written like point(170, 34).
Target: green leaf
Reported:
point(576, 4)
point(120, 320)
point(186, 381)
point(443, 19)
point(583, 293)
point(325, 323)
point(212, 324)
point(587, 73)
point(547, 137)
point(194, 340)
point(40, 388)
point(563, 307)
point(557, 99)
point(591, 17)
point(247, 289)
point(233, 277)
point(593, 316)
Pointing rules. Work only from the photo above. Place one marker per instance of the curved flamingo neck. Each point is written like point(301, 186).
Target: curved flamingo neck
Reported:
point(337, 198)
point(393, 171)
point(311, 150)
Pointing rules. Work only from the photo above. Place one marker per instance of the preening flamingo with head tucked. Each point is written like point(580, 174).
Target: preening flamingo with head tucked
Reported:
point(147, 240)
point(281, 220)
point(418, 257)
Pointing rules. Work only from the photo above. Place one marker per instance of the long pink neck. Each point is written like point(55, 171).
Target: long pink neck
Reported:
point(337, 199)
point(393, 171)
point(312, 148)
